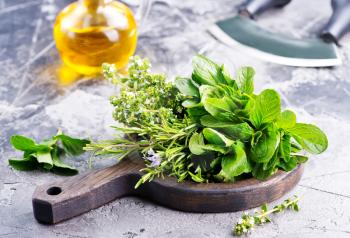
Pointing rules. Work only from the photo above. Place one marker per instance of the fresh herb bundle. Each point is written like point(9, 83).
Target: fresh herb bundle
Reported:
point(220, 132)
point(46, 155)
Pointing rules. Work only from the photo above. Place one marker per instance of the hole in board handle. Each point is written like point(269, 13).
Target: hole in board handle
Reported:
point(54, 191)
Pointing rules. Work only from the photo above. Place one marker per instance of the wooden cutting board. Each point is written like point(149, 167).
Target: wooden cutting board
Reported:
point(62, 200)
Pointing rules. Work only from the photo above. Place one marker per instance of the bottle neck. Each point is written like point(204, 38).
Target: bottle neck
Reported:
point(94, 4)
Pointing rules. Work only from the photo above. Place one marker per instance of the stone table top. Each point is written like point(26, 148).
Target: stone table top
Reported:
point(34, 103)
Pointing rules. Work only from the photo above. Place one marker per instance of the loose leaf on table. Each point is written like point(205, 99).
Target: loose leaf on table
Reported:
point(266, 108)
point(245, 76)
point(266, 145)
point(187, 87)
point(310, 137)
point(44, 158)
point(60, 167)
point(206, 71)
point(235, 164)
point(26, 164)
point(286, 119)
point(72, 146)
point(46, 155)
point(25, 144)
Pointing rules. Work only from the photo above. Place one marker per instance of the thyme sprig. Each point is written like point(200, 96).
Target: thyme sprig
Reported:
point(247, 222)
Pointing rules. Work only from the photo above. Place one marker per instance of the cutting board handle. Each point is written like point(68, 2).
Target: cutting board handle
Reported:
point(339, 23)
point(255, 7)
point(61, 200)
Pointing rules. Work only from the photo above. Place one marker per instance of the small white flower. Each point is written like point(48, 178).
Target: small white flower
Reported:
point(153, 157)
point(240, 221)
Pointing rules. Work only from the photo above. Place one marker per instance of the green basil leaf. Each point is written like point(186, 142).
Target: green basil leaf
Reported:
point(26, 144)
point(187, 87)
point(190, 103)
point(229, 80)
point(235, 164)
point(196, 144)
point(259, 172)
point(72, 146)
point(266, 108)
point(218, 106)
point(207, 91)
point(286, 120)
point(300, 158)
point(266, 145)
point(206, 71)
point(60, 167)
point(44, 157)
point(216, 138)
point(288, 165)
point(196, 113)
point(245, 79)
point(285, 148)
point(240, 131)
point(25, 164)
point(310, 137)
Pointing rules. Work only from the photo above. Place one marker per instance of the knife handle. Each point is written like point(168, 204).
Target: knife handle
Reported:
point(339, 23)
point(62, 200)
point(254, 7)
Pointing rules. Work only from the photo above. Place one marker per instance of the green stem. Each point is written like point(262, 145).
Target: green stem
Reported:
point(265, 214)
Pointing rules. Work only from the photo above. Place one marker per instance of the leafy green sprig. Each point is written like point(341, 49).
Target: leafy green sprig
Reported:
point(249, 133)
point(247, 222)
point(144, 97)
point(47, 154)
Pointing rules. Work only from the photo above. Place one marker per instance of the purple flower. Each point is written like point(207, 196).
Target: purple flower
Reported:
point(153, 157)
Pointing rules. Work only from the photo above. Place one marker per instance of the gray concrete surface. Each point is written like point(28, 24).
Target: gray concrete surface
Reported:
point(32, 103)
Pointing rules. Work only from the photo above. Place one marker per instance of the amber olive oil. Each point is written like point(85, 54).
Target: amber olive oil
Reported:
point(91, 32)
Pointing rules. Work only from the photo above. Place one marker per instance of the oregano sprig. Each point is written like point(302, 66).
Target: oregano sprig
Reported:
point(247, 223)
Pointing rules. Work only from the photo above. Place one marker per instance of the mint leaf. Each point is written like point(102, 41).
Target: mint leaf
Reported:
point(44, 157)
point(187, 87)
point(216, 138)
point(286, 119)
point(60, 167)
point(229, 80)
point(72, 146)
point(195, 144)
point(218, 106)
point(310, 137)
point(266, 108)
point(206, 71)
point(25, 164)
point(190, 103)
point(235, 164)
point(241, 131)
point(207, 91)
point(25, 144)
point(245, 79)
point(266, 145)
point(285, 147)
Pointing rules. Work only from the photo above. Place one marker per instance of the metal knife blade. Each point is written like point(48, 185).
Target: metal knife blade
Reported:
point(245, 34)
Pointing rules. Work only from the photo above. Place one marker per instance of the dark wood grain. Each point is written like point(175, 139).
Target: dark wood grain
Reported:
point(62, 200)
